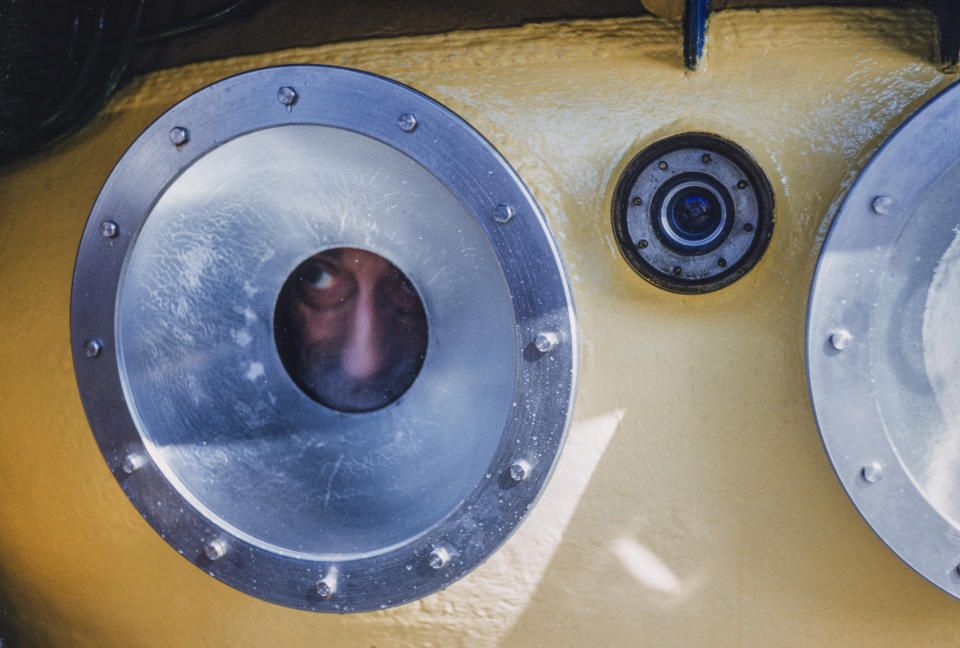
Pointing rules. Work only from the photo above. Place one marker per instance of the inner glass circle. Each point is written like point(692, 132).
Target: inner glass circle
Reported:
point(692, 213)
point(695, 212)
point(351, 329)
point(915, 365)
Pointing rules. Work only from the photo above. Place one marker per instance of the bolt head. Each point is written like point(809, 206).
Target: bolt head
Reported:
point(502, 213)
point(545, 342)
point(663, 166)
point(179, 135)
point(519, 470)
point(742, 184)
point(706, 158)
point(215, 550)
point(841, 339)
point(872, 472)
point(882, 205)
point(109, 229)
point(438, 558)
point(287, 96)
point(324, 589)
point(407, 122)
point(93, 348)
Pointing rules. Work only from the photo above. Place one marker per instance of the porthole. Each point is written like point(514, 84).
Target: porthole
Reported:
point(882, 350)
point(692, 213)
point(307, 314)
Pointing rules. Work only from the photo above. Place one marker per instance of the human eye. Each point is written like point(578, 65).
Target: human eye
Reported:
point(407, 289)
point(318, 277)
point(403, 295)
point(323, 284)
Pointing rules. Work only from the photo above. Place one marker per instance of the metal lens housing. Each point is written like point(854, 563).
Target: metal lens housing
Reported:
point(692, 213)
point(334, 505)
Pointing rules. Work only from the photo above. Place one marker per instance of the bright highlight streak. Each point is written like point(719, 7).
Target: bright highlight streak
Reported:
point(646, 567)
point(541, 534)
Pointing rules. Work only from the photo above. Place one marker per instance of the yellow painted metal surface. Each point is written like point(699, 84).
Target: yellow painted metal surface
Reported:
point(693, 504)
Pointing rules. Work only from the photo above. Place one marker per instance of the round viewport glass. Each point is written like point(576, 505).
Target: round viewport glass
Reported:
point(351, 329)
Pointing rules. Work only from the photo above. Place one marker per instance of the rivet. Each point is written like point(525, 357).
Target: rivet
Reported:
point(519, 470)
point(109, 229)
point(841, 339)
point(407, 122)
point(287, 96)
point(722, 262)
point(502, 213)
point(93, 347)
point(872, 472)
point(742, 184)
point(215, 550)
point(882, 204)
point(748, 227)
point(706, 158)
point(637, 201)
point(179, 135)
point(642, 243)
point(133, 462)
point(677, 271)
point(663, 166)
point(439, 557)
point(545, 342)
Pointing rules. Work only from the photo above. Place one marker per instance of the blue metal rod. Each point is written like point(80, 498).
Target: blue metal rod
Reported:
point(695, 17)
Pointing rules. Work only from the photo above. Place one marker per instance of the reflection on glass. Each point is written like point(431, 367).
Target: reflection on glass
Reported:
point(350, 329)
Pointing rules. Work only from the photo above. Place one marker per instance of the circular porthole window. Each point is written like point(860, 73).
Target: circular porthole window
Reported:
point(882, 352)
point(323, 337)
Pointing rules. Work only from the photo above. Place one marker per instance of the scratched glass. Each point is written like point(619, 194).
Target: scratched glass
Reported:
point(257, 387)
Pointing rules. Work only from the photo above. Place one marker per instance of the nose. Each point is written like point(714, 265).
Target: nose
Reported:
point(362, 354)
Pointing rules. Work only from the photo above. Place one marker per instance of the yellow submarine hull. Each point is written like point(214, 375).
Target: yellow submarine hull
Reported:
point(693, 504)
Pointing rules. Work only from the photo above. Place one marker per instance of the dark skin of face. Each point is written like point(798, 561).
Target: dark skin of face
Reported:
point(351, 329)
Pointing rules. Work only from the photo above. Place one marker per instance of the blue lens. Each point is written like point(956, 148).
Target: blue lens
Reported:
point(695, 213)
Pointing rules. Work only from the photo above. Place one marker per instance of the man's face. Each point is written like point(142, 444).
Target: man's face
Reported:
point(351, 329)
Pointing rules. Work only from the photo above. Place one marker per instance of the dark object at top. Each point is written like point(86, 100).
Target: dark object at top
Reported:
point(60, 60)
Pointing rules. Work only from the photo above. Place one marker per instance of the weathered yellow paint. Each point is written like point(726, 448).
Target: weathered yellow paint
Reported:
point(693, 504)
point(665, 8)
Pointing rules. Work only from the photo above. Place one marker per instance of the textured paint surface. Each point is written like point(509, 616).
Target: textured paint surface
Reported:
point(693, 504)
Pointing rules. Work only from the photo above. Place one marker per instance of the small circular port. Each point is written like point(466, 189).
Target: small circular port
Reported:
point(693, 213)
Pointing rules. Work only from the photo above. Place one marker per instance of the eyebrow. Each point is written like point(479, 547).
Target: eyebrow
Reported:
point(335, 254)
